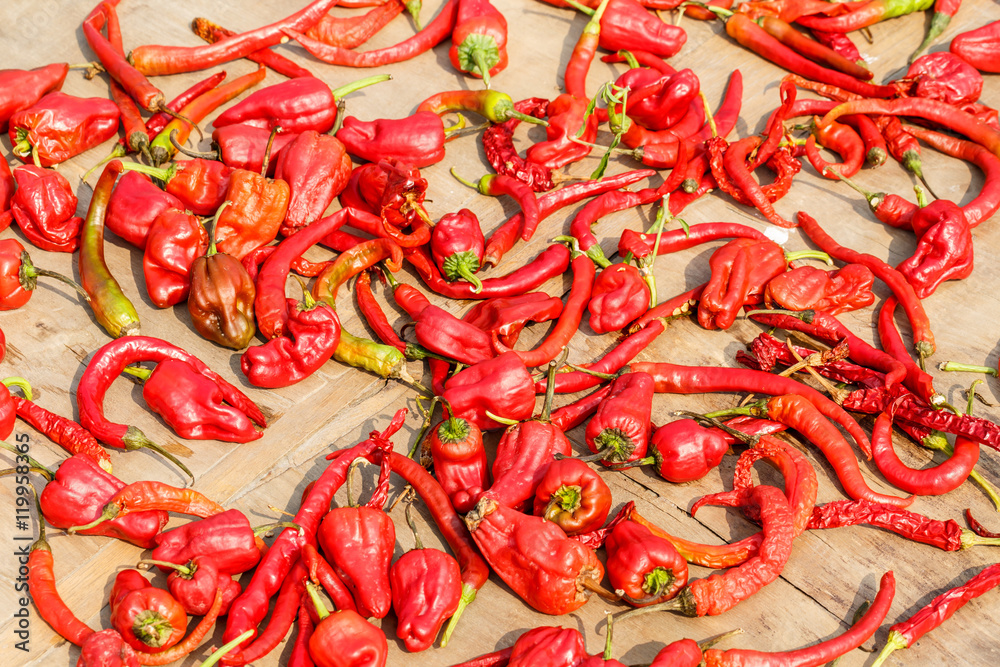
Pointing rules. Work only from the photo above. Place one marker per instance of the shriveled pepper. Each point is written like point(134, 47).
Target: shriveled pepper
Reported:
point(943, 76)
point(620, 295)
point(501, 385)
point(44, 207)
point(257, 210)
point(643, 569)
point(426, 587)
point(147, 617)
point(547, 645)
point(944, 250)
point(460, 464)
point(739, 268)
point(221, 297)
point(551, 572)
point(457, 245)
point(506, 316)
point(316, 168)
point(573, 496)
point(243, 147)
point(567, 115)
point(173, 243)
point(439, 331)
point(806, 287)
point(628, 25)
point(60, 126)
point(418, 139)
point(479, 40)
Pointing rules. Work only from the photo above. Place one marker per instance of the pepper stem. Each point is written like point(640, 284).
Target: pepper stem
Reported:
point(140, 372)
point(709, 643)
point(921, 196)
point(267, 150)
point(501, 420)
point(17, 381)
point(809, 254)
point(607, 640)
point(593, 26)
point(135, 439)
point(894, 642)
point(182, 569)
point(710, 420)
point(109, 512)
point(468, 595)
point(586, 10)
point(28, 274)
point(911, 162)
point(117, 152)
point(44, 472)
point(600, 591)
point(31, 462)
point(417, 544)
point(213, 224)
point(669, 605)
point(226, 648)
point(267, 528)
point(183, 150)
point(424, 428)
point(321, 609)
point(550, 384)
point(463, 181)
point(970, 539)
point(354, 86)
point(413, 8)
point(966, 368)
point(597, 374)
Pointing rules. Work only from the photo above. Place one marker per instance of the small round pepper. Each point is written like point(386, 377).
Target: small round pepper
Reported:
point(573, 496)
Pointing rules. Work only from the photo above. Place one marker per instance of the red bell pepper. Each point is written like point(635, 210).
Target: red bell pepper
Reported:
point(60, 126)
point(148, 618)
point(479, 40)
point(573, 496)
point(135, 203)
point(457, 245)
point(44, 207)
point(642, 567)
point(174, 241)
point(943, 76)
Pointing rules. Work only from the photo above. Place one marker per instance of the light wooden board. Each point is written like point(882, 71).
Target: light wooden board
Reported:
point(829, 573)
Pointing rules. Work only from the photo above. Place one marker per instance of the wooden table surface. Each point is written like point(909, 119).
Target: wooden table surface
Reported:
point(830, 573)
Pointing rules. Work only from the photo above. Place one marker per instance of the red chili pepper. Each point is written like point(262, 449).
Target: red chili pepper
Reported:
point(345, 639)
point(173, 242)
point(479, 40)
point(163, 60)
point(553, 573)
point(441, 332)
point(322, 574)
point(242, 147)
point(937, 611)
point(498, 143)
point(134, 204)
point(23, 88)
point(506, 316)
point(197, 185)
point(211, 33)
point(820, 653)
point(146, 616)
point(457, 246)
point(567, 116)
point(227, 538)
point(316, 168)
point(814, 50)
point(190, 642)
point(460, 464)
point(195, 583)
point(60, 126)
point(64, 432)
point(943, 76)
point(620, 295)
point(573, 496)
point(739, 271)
point(644, 569)
point(627, 24)
point(105, 648)
point(44, 208)
point(944, 248)
point(684, 451)
point(806, 287)
point(417, 140)
point(148, 495)
point(979, 47)
point(352, 31)
point(844, 140)
point(578, 65)
point(619, 430)
point(432, 34)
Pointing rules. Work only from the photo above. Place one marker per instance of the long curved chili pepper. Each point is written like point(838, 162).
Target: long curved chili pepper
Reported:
point(923, 337)
point(350, 32)
point(917, 380)
point(865, 14)
point(812, 49)
point(817, 654)
point(578, 65)
point(494, 185)
point(875, 147)
point(841, 138)
point(42, 588)
point(211, 33)
point(373, 313)
point(734, 162)
point(270, 305)
point(111, 307)
point(433, 34)
point(290, 593)
point(150, 495)
point(675, 240)
point(351, 262)
point(251, 607)
point(64, 432)
point(159, 120)
point(155, 60)
point(569, 320)
point(606, 204)
point(323, 574)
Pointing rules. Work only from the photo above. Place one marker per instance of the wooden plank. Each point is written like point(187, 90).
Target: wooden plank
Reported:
point(829, 573)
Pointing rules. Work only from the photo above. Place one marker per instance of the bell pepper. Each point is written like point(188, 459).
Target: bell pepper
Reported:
point(628, 25)
point(221, 297)
point(345, 639)
point(23, 88)
point(78, 494)
point(200, 185)
point(479, 40)
point(460, 464)
point(643, 568)
point(312, 335)
point(195, 583)
point(193, 404)
point(134, 204)
point(684, 451)
point(806, 287)
point(295, 105)
point(740, 269)
point(506, 316)
point(417, 140)
point(619, 430)
point(573, 496)
point(501, 385)
point(661, 103)
point(174, 241)
point(567, 115)
point(944, 249)
point(60, 126)
point(316, 168)
point(980, 47)
point(243, 147)
point(148, 618)
point(620, 295)
point(226, 538)
point(457, 246)
point(359, 543)
point(426, 589)
point(551, 572)
point(44, 207)
point(257, 209)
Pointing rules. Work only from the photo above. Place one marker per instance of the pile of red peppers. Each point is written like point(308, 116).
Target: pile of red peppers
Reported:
point(224, 231)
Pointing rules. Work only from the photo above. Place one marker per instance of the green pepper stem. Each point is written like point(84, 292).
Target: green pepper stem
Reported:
point(135, 439)
point(424, 428)
point(921, 196)
point(27, 276)
point(355, 86)
point(31, 462)
point(321, 609)
point(709, 116)
point(712, 641)
point(461, 180)
point(911, 162)
point(117, 152)
point(894, 642)
point(267, 528)
point(710, 420)
point(550, 384)
point(468, 595)
point(47, 474)
point(809, 254)
point(109, 512)
point(966, 368)
point(226, 648)
point(140, 372)
point(607, 640)
point(586, 10)
point(501, 420)
point(593, 26)
point(597, 374)
point(413, 8)
point(20, 382)
point(183, 569)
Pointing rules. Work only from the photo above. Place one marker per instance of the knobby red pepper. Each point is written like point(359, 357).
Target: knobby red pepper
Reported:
point(254, 216)
point(316, 168)
point(806, 287)
point(147, 617)
point(479, 40)
point(353, 31)
point(943, 76)
point(979, 47)
point(567, 116)
point(460, 464)
point(626, 24)
point(44, 207)
point(573, 496)
point(60, 126)
point(620, 295)
point(619, 430)
point(551, 572)
point(226, 538)
point(173, 242)
point(944, 249)
point(344, 638)
point(439, 331)
point(506, 316)
point(643, 569)
point(417, 140)
point(501, 386)
point(242, 147)
point(22, 88)
point(740, 269)
point(195, 583)
point(64, 432)
point(457, 245)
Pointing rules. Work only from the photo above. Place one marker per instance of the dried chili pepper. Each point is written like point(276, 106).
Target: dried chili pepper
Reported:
point(44, 208)
point(353, 31)
point(943, 76)
point(806, 287)
point(148, 495)
point(644, 569)
point(573, 496)
point(567, 115)
point(60, 126)
point(211, 33)
point(620, 295)
point(322, 574)
point(506, 316)
point(814, 50)
point(498, 142)
point(627, 24)
point(739, 270)
point(242, 147)
point(64, 432)
point(937, 611)
point(316, 168)
point(866, 14)
point(105, 648)
point(111, 307)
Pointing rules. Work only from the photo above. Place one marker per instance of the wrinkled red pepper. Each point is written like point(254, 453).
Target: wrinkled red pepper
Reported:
point(60, 126)
point(44, 207)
